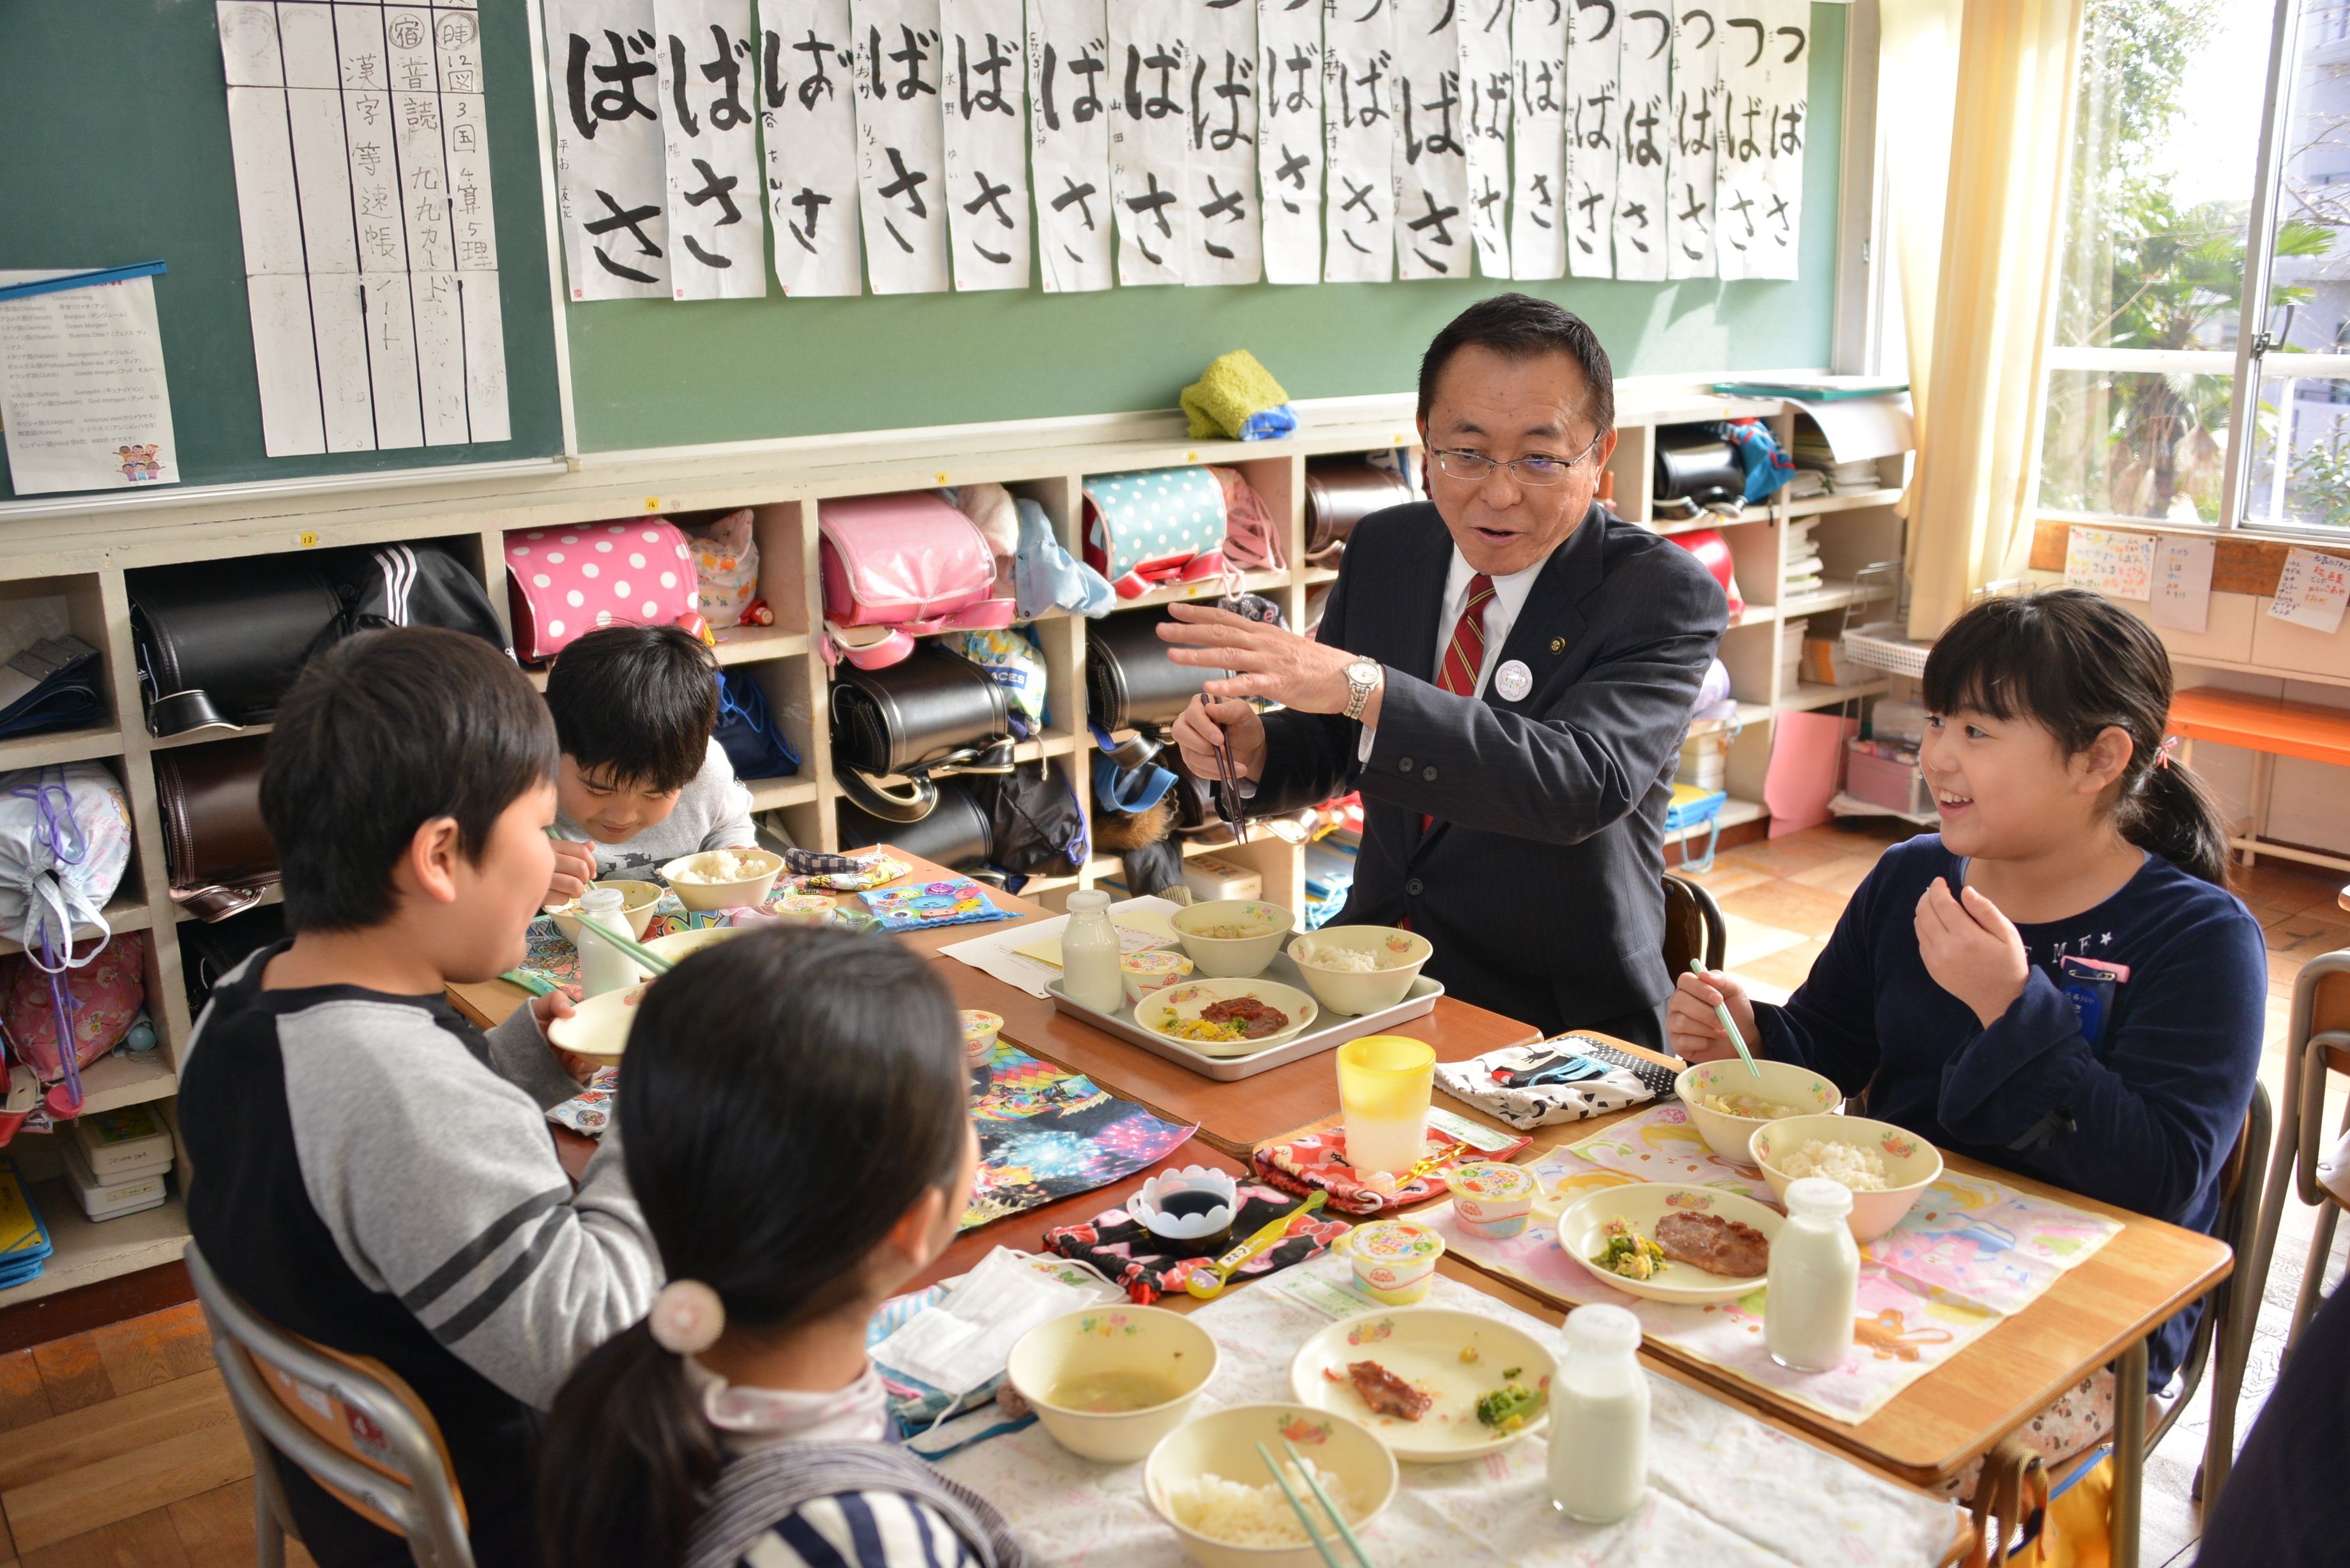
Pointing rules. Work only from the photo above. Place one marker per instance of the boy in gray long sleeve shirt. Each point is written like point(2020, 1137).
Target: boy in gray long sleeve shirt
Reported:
point(367, 1169)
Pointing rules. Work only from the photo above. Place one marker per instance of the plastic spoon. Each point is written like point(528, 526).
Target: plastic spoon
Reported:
point(1722, 1011)
point(1208, 1284)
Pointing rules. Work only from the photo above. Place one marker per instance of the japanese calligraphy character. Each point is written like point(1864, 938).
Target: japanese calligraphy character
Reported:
point(1642, 117)
point(1357, 196)
point(1605, 27)
point(719, 190)
point(1694, 141)
point(1075, 195)
point(1745, 149)
point(1758, 36)
point(676, 77)
point(1293, 168)
point(809, 202)
point(1236, 95)
point(1152, 205)
point(911, 57)
point(990, 196)
point(615, 102)
point(1778, 213)
point(988, 99)
point(1227, 204)
point(1598, 119)
point(1538, 187)
point(1301, 65)
point(1434, 218)
point(817, 84)
point(1785, 136)
point(1374, 97)
point(1664, 29)
point(1441, 140)
point(905, 185)
point(726, 111)
point(633, 220)
point(1795, 48)
point(1160, 105)
point(1704, 17)
point(1743, 206)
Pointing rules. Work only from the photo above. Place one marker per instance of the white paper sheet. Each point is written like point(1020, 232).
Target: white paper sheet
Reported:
point(997, 953)
point(1431, 164)
point(1538, 32)
point(1220, 151)
point(1643, 138)
point(1595, 128)
point(1749, 102)
point(1068, 135)
point(1359, 126)
point(1789, 126)
point(2109, 561)
point(901, 145)
point(82, 390)
point(1289, 137)
point(2182, 582)
point(2312, 590)
point(1689, 154)
point(807, 119)
point(1486, 91)
point(983, 101)
point(1150, 64)
point(610, 197)
point(710, 149)
point(1858, 429)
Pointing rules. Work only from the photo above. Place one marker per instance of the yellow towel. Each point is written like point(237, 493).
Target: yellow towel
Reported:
point(1235, 389)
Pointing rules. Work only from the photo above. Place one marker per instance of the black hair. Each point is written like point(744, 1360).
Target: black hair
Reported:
point(635, 703)
point(1519, 326)
point(791, 1094)
point(386, 731)
point(2078, 664)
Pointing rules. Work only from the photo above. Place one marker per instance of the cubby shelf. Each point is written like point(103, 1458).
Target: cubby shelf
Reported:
point(63, 746)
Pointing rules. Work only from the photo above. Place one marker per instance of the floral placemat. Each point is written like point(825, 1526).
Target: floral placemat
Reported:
point(1970, 1252)
point(551, 953)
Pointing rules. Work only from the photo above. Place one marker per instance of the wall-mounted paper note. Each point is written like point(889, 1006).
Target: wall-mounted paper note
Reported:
point(1152, 63)
point(710, 149)
point(983, 98)
point(1358, 115)
point(1068, 131)
point(81, 387)
point(609, 194)
point(1765, 72)
point(1690, 156)
point(902, 144)
point(2109, 562)
point(1431, 166)
point(1289, 137)
point(1538, 32)
point(1644, 132)
point(2182, 582)
point(1220, 169)
point(1593, 122)
point(807, 113)
point(2312, 590)
point(1485, 94)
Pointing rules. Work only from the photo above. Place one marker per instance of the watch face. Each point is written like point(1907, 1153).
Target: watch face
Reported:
point(1363, 671)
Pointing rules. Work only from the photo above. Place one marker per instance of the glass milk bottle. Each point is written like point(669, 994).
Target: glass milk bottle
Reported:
point(1599, 1418)
point(1814, 1278)
point(1089, 953)
point(602, 966)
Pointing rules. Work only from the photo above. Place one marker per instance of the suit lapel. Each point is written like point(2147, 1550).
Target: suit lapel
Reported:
point(1553, 612)
point(1422, 600)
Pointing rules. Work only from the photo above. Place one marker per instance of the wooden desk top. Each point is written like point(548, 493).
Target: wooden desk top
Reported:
point(2262, 723)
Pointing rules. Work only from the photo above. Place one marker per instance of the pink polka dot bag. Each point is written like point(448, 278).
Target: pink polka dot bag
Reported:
point(565, 582)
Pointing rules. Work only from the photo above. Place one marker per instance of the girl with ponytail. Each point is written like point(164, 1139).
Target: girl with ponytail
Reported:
point(2059, 981)
point(799, 1138)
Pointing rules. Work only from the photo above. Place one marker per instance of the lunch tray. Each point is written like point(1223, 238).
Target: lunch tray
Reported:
point(1328, 1031)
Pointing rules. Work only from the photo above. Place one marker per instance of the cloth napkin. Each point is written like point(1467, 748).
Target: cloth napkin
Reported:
point(812, 872)
point(1626, 1084)
point(1117, 1243)
point(1319, 1160)
point(958, 901)
point(1238, 398)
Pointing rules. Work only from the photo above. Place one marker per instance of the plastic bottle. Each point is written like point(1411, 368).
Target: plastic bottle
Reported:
point(602, 966)
point(1599, 1418)
point(1814, 1279)
point(1089, 953)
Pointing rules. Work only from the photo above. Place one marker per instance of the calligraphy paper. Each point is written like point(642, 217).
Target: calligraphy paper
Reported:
point(984, 99)
point(710, 149)
point(2108, 562)
point(1068, 129)
point(610, 196)
point(1594, 95)
point(1219, 157)
point(82, 390)
point(359, 136)
point(1644, 107)
point(1432, 168)
point(1149, 138)
point(1788, 53)
point(2182, 582)
point(1689, 154)
point(1749, 98)
point(1482, 27)
point(901, 144)
point(807, 112)
point(1538, 32)
point(1289, 137)
point(1359, 125)
point(2312, 590)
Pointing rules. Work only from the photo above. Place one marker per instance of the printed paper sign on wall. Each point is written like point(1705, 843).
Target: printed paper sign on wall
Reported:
point(1068, 131)
point(807, 116)
point(1764, 75)
point(710, 150)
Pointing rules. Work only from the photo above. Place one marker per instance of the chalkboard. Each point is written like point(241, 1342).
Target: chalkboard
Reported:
point(114, 121)
point(651, 373)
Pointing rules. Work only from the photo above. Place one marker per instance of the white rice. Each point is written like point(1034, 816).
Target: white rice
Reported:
point(1859, 1169)
point(723, 866)
point(1351, 961)
point(1240, 1515)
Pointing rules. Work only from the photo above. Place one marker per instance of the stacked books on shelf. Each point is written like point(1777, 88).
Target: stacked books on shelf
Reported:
point(116, 1161)
point(1815, 457)
point(1802, 560)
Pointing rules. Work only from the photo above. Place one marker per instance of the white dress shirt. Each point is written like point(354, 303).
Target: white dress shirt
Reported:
point(1501, 614)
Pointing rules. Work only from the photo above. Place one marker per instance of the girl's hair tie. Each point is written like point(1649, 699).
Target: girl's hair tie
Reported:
point(2162, 753)
point(687, 1317)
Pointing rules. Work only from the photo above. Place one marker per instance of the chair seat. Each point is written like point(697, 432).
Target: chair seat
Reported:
point(2333, 1171)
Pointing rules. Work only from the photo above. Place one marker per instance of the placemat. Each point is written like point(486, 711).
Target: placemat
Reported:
point(551, 953)
point(1723, 1489)
point(1046, 1133)
point(1970, 1252)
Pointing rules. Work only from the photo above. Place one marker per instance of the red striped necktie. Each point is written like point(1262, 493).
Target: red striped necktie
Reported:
point(1464, 655)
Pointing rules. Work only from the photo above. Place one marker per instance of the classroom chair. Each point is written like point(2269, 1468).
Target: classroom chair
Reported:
point(351, 1423)
point(1693, 927)
point(2317, 1042)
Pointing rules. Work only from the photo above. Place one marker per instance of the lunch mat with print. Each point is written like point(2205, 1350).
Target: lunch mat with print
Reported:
point(1971, 1252)
point(1047, 1133)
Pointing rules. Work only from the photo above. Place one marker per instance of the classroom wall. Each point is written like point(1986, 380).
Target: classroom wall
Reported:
point(649, 373)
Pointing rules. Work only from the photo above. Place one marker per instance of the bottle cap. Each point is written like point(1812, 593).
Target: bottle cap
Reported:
point(1815, 1197)
point(1086, 898)
point(600, 901)
point(1602, 1331)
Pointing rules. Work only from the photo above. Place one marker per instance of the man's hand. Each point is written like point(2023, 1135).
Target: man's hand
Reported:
point(1971, 950)
point(574, 868)
point(1202, 724)
point(1691, 1028)
point(1264, 660)
point(545, 1009)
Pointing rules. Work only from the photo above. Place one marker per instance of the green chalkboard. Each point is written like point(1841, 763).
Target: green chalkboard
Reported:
point(649, 373)
point(114, 147)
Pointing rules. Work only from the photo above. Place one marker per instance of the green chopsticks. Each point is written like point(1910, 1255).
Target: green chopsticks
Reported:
point(1722, 1011)
point(628, 945)
point(1305, 1516)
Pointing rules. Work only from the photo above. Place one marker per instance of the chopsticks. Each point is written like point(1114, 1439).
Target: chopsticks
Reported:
point(1234, 804)
point(1722, 1011)
point(1305, 1517)
point(628, 945)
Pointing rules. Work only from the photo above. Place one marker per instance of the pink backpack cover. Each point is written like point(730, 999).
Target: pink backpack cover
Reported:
point(565, 582)
point(906, 559)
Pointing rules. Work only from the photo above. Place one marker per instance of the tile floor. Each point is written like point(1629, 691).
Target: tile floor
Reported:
point(118, 1446)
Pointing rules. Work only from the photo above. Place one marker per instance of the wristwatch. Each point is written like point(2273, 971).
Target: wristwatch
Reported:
point(1364, 676)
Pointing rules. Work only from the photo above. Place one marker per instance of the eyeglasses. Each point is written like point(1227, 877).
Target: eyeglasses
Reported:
point(1536, 471)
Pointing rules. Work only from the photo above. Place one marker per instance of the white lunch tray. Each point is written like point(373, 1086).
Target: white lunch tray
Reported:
point(1329, 1030)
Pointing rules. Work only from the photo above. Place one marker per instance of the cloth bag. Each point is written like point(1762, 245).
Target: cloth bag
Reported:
point(563, 583)
point(1119, 1245)
point(1145, 530)
point(1252, 537)
point(747, 731)
point(106, 988)
point(726, 569)
point(1044, 577)
point(65, 842)
point(1541, 1105)
point(1036, 825)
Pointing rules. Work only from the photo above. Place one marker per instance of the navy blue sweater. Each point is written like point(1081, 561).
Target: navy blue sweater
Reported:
point(2142, 1116)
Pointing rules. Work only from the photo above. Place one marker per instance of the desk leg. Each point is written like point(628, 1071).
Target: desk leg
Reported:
point(2129, 1453)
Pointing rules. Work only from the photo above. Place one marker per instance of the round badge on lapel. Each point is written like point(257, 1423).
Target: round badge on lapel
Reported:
point(1514, 681)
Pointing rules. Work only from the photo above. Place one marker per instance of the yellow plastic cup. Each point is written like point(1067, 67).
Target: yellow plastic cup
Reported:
point(1384, 1084)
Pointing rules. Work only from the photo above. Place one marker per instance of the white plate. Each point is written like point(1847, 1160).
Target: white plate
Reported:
point(1422, 1345)
point(1580, 1223)
point(1189, 997)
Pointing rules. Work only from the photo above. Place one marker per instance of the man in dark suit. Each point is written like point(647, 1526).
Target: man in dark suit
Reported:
point(1506, 672)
